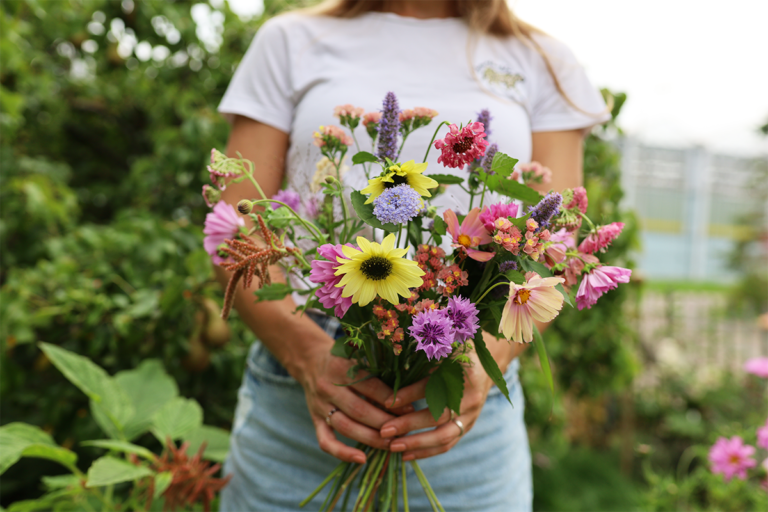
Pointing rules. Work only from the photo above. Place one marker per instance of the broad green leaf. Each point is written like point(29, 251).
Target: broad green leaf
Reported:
point(538, 342)
point(22, 440)
point(60, 481)
point(162, 482)
point(445, 388)
point(340, 348)
point(490, 365)
point(176, 418)
point(274, 291)
point(511, 188)
point(216, 439)
point(445, 179)
point(55, 453)
point(149, 387)
point(110, 470)
point(365, 212)
point(515, 276)
point(121, 446)
point(362, 157)
point(440, 226)
point(503, 164)
point(565, 294)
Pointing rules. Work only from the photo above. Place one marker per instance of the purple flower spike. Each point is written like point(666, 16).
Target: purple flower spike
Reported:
point(463, 314)
point(488, 158)
point(484, 116)
point(434, 333)
point(546, 209)
point(389, 127)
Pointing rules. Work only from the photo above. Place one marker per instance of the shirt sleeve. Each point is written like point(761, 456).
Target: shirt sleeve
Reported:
point(550, 110)
point(261, 86)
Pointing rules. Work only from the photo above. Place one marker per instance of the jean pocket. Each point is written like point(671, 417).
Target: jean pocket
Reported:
point(263, 368)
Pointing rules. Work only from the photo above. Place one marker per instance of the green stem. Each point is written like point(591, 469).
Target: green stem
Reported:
point(400, 150)
point(309, 227)
point(258, 187)
point(405, 485)
point(433, 139)
point(425, 485)
point(345, 212)
point(484, 279)
point(482, 196)
point(489, 289)
point(319, 488)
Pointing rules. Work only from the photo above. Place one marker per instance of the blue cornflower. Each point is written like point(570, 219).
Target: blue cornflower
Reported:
point(397, 205)
point(389, 126)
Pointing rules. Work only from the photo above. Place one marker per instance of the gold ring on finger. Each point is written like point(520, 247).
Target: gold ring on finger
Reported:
point(459, 424)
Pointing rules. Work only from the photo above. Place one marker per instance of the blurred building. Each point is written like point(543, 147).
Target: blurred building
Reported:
point(693, 207)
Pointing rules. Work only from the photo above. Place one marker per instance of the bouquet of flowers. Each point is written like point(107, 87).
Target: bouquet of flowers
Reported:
point(414, 288)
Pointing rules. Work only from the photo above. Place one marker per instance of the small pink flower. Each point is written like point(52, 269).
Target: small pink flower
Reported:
point(579, 200)
point(757, 366)
point(462, 145)
point(330, 132)
point(324, 272)
point(222, 223)
point(425, 112)
point(470, 235)
point(762, 436)
point(371, 118)
point(532, 171)
point(495, 211)
point(599, 281)
point(347, 111)
point(406, 115)
point(602, 239)
point(731, 457)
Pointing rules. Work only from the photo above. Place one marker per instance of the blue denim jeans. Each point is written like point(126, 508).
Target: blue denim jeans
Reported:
point(276, 462)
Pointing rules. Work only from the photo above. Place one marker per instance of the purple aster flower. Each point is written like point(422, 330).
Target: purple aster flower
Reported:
point(389, 126)
point(484, 116)
point(463, 314)
point(289, 197)
point(546, 209)
point(507, 265)
point(434, 333)
point(397, 205)
point(324, 272)
point(488, 158)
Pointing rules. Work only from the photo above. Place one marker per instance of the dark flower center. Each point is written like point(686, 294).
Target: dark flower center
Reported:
point(376, 268)
point(396, 180)
point(432, 333)
point(463, 146)
point(458, 317)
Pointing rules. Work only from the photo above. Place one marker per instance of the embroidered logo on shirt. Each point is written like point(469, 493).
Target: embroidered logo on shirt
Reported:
point(500, 76)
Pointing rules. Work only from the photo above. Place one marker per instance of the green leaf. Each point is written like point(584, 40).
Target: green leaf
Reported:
point(149, 388)
point(445, 179)
point(515, 276)
point(121, 446)
point(503, 164)
point(340, 348)
point(445, 388)
point(365, 212)
point(177, 417)
point(55, 453)
point(362, 157)
point(216, 439)
point(61, 481)
point(109, 470)
point(162, 482)
point(538, 342)
point(511, 188)
point(440, 226)
point(565, 294)
point(22, 440)
point(490, 365)
point(274, 291)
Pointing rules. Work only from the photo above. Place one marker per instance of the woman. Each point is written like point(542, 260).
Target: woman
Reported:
point(456, 57)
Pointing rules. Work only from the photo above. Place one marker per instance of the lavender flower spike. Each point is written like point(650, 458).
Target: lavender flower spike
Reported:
point(484, 116)
point(389, 127)
point(546, 209)
point(488, 158)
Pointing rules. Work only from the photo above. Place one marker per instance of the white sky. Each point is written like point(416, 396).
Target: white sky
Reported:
point(695, 71)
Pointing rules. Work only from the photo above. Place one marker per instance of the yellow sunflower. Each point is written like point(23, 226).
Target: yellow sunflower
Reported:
point(409, 173)
point(377, 269)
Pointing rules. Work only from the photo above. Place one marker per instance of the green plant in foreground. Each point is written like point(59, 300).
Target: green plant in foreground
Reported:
point(129, 476)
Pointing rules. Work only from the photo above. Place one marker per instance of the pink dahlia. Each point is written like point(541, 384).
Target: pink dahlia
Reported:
point(470, 235)
point(462, 145)
point(602, 239)
point(222, 223)
point(731, 457)
point(757, 366)
point(497, 211)
point(599, 281)
point(762, 436)
point(324, 272)
point(536, 299)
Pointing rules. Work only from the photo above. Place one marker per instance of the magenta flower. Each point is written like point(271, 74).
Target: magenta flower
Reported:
point(324, 272)
point(731, 457)
point(762, 436)
point(579, 200)
point(757, 366)
point(289, 197)
point(602, 239)
point(463, 315)
point(496, 211)
point(222, 223)
point(434, 333)
point(470, 235)
point(462, 145)
point(599, 281)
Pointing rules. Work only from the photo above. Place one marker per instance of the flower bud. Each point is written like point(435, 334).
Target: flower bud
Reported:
point(330, 180)
point(245, 206)
point(431, 211)
point(211, 195)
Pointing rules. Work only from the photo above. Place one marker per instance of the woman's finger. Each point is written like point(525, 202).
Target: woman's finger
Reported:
point(428, 452)
point(408, 394)
point(440, 438)
point(345, 426)
point(332, 446)
point(375, 390)
point(361, 410)
point(414, 421)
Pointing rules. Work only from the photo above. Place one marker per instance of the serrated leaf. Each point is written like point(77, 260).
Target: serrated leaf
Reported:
point(490, 365)
point(503, 164)
point(541, 350)
point(110, 470)
point(445, 388)
point(274, 291)
point(148, 387)
point(362, 157)
point(121, 446)
point(216, 439)
point(445, 179)
point(511, 188)
point(365, 212)
point(440, 226)
point(162, 482)
point(22, 440)
point(177, 417)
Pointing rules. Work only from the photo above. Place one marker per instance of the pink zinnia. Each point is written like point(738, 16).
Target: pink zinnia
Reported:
point(461, 146)
point(324, 272)
point(222, 223)
point(762, 436)
point(602, 239)
point(496, 211)
point(599, 281)
point(731, 457)
point(469, 235)
point(757, 366)
point(536, 299)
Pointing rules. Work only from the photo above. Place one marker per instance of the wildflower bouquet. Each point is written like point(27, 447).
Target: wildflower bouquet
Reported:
point(413, 287)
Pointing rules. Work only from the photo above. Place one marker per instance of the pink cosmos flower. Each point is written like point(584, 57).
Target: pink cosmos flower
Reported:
point(757, 366)
point(536, 299)
point(605, 235)
point(599, 281)
point(371, 118)
point(470, 235)
point(324, 272)
point(223, 222)
point(462, 145)
point(731, 457)
point(322, 136)
point(495, 211)
point(579, 200)
point(762, 436)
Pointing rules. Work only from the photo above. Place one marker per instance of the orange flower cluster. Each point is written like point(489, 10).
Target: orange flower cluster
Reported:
point(390, 326)
point(452, 277)
point(429, 259)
